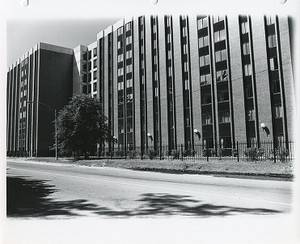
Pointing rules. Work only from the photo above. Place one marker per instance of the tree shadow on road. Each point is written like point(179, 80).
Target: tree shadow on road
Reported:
point(31, 198)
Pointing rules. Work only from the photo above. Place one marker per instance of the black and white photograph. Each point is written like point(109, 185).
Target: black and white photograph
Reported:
point(152, 117)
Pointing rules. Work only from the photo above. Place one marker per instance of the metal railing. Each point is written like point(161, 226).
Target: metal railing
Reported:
point(241, 151)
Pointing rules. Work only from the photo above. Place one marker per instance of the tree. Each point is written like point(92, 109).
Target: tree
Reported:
point(81, 126)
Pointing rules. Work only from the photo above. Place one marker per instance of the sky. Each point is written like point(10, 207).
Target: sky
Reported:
point(22, 35)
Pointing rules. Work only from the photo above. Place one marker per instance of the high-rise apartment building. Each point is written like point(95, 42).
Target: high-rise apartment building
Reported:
point(37, 84)
point(161, 78)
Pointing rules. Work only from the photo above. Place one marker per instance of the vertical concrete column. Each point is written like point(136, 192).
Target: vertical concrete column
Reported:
point(288, 86)
point(163, 82)
point(195, 76)
point(18, 91)
point(178, 81)
point(237, 79)
point(115, 82)
point(136, 84)
point(149, 86)
point(106, 63)
point(262, 77)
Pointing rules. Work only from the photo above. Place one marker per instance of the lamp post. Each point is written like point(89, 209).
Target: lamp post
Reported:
point(150, 136)
point(265, 128)
point(55, 129)
point(197, 133)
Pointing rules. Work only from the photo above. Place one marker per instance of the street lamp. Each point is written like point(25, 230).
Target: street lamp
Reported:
point(55, 120)
point(150, 136)
point(197, 133)
point(115, 140)
point(265, 128)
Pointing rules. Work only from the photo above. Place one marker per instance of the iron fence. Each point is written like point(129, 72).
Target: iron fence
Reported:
point(240, 151)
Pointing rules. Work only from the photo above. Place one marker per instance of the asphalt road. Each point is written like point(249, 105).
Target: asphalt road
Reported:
point(66, 191)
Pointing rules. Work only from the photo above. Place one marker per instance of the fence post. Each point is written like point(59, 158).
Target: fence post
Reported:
point(142, 153)
point(237, 150)
point(181, 149)
point(274, 152)
point(159, 152)
point(207, 152)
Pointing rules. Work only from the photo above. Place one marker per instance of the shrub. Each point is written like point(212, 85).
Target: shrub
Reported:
point(282, 153)
point(132, 154)
point(253, 153)
point(210, 152)
point(175, 154)
point(152, 153)
point(120, 153)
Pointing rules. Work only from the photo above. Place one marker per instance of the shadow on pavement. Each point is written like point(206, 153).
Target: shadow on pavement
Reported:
point(31, 198)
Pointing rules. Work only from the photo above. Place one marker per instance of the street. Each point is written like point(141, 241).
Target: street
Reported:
point(66, 191)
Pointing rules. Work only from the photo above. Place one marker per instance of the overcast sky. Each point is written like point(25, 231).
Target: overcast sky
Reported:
point(23, 35)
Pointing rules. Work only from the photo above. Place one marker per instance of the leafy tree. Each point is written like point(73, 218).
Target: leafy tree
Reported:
point(81, 126)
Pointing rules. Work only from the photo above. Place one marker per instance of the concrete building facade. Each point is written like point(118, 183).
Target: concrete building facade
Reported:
point(160, 79)
point(37, 84)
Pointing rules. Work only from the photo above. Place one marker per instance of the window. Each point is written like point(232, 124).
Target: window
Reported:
point(224, 117)
point(246, 48)
point(169, 38)
point(202, 22)
point(186, 84)
point(94, 86)
point(120, 31)
point(120, 86)
point(156, 91)
point(120, 72)
point(128, 40)
point(120, 58)
point(250, 115)
point(95, 63)
point(185, 67)
point(278, 112)
point(119, 44)
point(247, 69)
point(203, 41)
point(170, 71)
point(275, 86)
point(121, 129)
point(129, 83)
point(206, 119)
point(129, 99)
point(218, 19)
point(223, 95)
point(270, 20)
point(204, 60)
point(128, 68)
point(222, 75)
point(95, 52)
point(248, 91)
point(219, 35)
point(95, 75)
point(128, 54)
point(245, 27)
point(184, 31)
point(273, 64)
point(205, 79)
point(271, 41)
point(221, 55)
point(128, 26)
point(206, 98)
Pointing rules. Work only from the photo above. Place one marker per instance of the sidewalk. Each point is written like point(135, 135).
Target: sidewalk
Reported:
point(259, 169)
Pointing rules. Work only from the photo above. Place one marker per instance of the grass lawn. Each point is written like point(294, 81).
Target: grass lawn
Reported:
point(214, 166)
